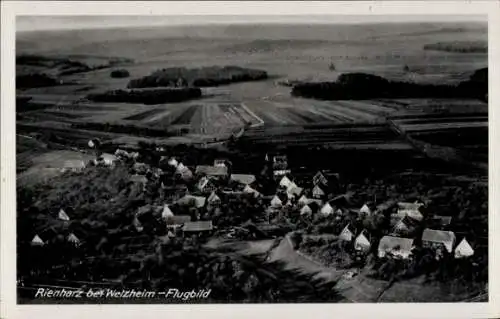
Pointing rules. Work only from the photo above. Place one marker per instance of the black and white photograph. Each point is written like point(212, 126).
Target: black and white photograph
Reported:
point(251, 159)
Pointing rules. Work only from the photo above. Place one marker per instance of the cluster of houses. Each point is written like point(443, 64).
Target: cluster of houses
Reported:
point(211, 180)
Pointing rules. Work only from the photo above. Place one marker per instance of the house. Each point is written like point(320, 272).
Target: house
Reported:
point(190, 200)
point(347, 233)
point(73, 239)
point(177, 221)
point(167, 212)
point(285, 182)
point(37, 241)
point(140, 168)
point(140, 179)
point(281, 172)
point(320, 179)
point(137, 224)
point(250, 190)
point(184, 172)
point(214, 171)
point(73, 165)
point(305, 210)
point(206, 185)
point(365, 210)
point(303, 200)
point(62, 215)
point(220, 162)
point(438, 238)
point(173, 162)
point(245, 179)
point(441, 220)
point(412, 213)
point(327, 209)
point(280, 162)
point(405, 226)
point(294, 190)
point(180, 167)
point(317, 192)
point(213, 199)
point(410, 206)
point(362, 243)
point(463, 249)
point(340, 200)
point(398, 247)
point(276, 202)
point(107, 159)
point(197, 228)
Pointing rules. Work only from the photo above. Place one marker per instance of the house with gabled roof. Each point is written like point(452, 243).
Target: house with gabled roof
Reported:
point(285, 182)
point(73, 239)
point(214, 199)
point(362, 242)
point(320, 179)
point(442, 221)
point(177, 221)
point(405, 226)
point(463, 249)
point(317, 192)
point(294, 190)
point(37, 241)
point(327, 209)
point(201, 227)
point(206, 185)
point(190, 200)
point(438, 238)
point(62, 215)
point(173, 162)
point(365, 210)
point(166, 212)
point(397, 247)
point(305, 210)
point(249, 190)
point(276, 202)
point(347, 234)
point(303, 200)
point(220, 162)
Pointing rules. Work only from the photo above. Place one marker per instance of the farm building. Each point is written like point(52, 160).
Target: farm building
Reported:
point(464, 249)
point(37, 241)
point(347, 234)
point(362, 242)
point(62, 215)
point(245, 179)
point(73, 165)
point(320, 179)
point(327, 209)
point(215, 171)
point(190, 200)
point(204, 227)
point(317, 192)
point(177, 221)
point(305, 210)
point(398, 247)
point(438, 238)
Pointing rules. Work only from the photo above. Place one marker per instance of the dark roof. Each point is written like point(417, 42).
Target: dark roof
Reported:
point(443, 220)
point(178, 219)
point(198, 226)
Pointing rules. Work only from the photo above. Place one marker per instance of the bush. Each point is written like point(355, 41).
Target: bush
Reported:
point(120, 73)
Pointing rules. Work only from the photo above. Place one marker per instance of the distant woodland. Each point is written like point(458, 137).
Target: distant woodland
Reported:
point(459, 47)
point(358, 86)
point(198, 77)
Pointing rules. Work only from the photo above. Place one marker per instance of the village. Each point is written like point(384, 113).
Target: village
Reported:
point(198, 203)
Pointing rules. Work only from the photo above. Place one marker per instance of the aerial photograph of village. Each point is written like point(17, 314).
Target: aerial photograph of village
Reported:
point(170, 159)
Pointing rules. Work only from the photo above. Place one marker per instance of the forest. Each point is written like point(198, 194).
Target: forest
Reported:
point(198, 77)
point(358, 86)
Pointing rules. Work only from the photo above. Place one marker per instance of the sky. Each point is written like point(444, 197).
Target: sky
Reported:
point(37, 23)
